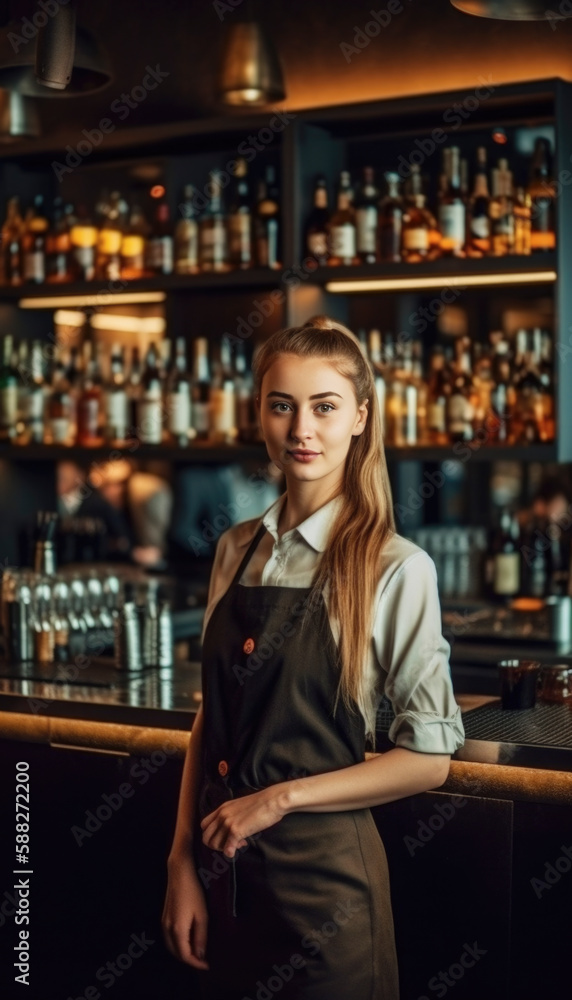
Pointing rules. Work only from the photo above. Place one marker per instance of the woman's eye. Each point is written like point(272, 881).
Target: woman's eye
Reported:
point(329, 406)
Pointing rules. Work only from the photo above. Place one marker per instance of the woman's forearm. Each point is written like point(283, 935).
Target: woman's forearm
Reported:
point(381, 778)
point(183, 835)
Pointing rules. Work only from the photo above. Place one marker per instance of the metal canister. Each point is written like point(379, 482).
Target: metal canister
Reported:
point(165, 657)
point(127, 638)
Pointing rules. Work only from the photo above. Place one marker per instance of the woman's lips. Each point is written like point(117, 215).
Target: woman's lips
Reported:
point(304, 456)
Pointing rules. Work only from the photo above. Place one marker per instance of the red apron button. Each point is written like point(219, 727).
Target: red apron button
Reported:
point(222, 767)
point(248, 645)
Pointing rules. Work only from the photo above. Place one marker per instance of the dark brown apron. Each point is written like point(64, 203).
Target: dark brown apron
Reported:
point(304, 910)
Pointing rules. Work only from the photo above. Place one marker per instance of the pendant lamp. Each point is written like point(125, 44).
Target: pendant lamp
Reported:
point(18, 116)
point(249, 74)
point(509, 10)
point(90, 71)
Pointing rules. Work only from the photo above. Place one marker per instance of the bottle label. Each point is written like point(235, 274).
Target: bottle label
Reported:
point(160, 251)
point(239, 237)
point(437, 415)
point(35, 405)
point(415, 239)
point(109, 241)
point(60, 429)
point(116, 411)
point(212, 242)
point(8, 405)
point(480, 227)
point(201, 417)
point(459, 413)
point(452, 224)
point(35, 266)
point(85, 258)
point(318, 244)
point(83, 236)
point(179, 411)
point(150, 420)
point(343, 241)
point(506, 574)
point(366, 229)
point(223, 410)
point(132, 246)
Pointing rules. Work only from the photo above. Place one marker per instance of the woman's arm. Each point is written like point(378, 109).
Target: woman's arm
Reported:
point(382, 778)
point(183, 836)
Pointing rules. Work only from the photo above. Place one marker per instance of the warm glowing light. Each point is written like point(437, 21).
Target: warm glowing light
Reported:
point(157, 191)
point(97, 299)
point(440, 281)
point(66, 317)
point(499, 135)
point(128, 324)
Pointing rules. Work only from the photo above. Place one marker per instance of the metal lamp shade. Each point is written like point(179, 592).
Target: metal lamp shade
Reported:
point(507, 10)
point(250, 72)
point(18, 116)
point(91, 68)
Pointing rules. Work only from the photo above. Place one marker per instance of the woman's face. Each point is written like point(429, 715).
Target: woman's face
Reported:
point(293, 418)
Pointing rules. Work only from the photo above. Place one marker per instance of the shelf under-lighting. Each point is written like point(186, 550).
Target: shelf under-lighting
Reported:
point(438, 281)
point(95, 299)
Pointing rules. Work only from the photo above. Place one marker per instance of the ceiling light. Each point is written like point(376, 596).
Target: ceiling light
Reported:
point(91, 68)
point(55, 47)
point(250, 72)
point(509, 10)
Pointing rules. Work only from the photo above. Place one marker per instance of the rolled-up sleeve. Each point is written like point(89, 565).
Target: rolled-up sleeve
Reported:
point(414, 658)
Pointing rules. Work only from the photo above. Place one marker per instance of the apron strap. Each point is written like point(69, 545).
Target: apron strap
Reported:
point(254, 542)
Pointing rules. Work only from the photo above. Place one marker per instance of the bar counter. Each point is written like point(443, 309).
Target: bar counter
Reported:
point(105, 758)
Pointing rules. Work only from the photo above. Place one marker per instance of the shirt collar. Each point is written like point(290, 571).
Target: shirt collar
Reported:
point(314, 530)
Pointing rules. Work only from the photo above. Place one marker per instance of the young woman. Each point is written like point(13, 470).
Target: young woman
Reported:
point(278, 878)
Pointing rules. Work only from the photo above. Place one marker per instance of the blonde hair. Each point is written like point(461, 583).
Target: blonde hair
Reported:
point(351, 563)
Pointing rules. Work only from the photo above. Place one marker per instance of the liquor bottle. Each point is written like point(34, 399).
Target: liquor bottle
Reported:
point(479, 241)
point(366, 218)
point(35, 395)
point(150, 406)
point(267, 221)
point(546, 378)
point(342, 232)
point(109, 238)
point(522, 222)
point(134, 391)
point(34, 243)
point(8, 391)
point(12, 232)
point(318, 222)
point(506, 558)
point(60, 420)
point(239, 221)
point(133, 251)
point(116, 410)
point(213, 237)
point(452, 209)
point(246, 416)
point(501, 210)
point(460, 410)
point(541, 191)
point(438, 392)
point(89, 404)
point(187, 235)
point(390, 220)
point(375, 355)
point(223, 400)
point(502, 401)
point(160, 242)
point(422, 392)
point(410, 396)
point(74, 377)
point(416, 226)
point(83, 239)
point(178, 397)
point(58, 245)
point(201, 389)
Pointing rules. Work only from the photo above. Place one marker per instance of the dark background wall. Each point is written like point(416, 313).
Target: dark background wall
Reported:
point(428, 46)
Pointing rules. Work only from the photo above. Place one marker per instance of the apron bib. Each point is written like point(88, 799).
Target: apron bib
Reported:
point(304, 909)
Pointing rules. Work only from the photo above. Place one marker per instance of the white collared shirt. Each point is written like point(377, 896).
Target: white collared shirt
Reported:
point(409, 657)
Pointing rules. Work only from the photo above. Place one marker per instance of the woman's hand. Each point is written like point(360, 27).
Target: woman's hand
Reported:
point(226, 828)
point(184, 918)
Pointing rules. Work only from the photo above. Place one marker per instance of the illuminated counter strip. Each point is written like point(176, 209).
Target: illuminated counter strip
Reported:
point(465, 777)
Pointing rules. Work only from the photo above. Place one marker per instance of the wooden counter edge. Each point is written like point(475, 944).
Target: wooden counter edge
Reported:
point(465, 778)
